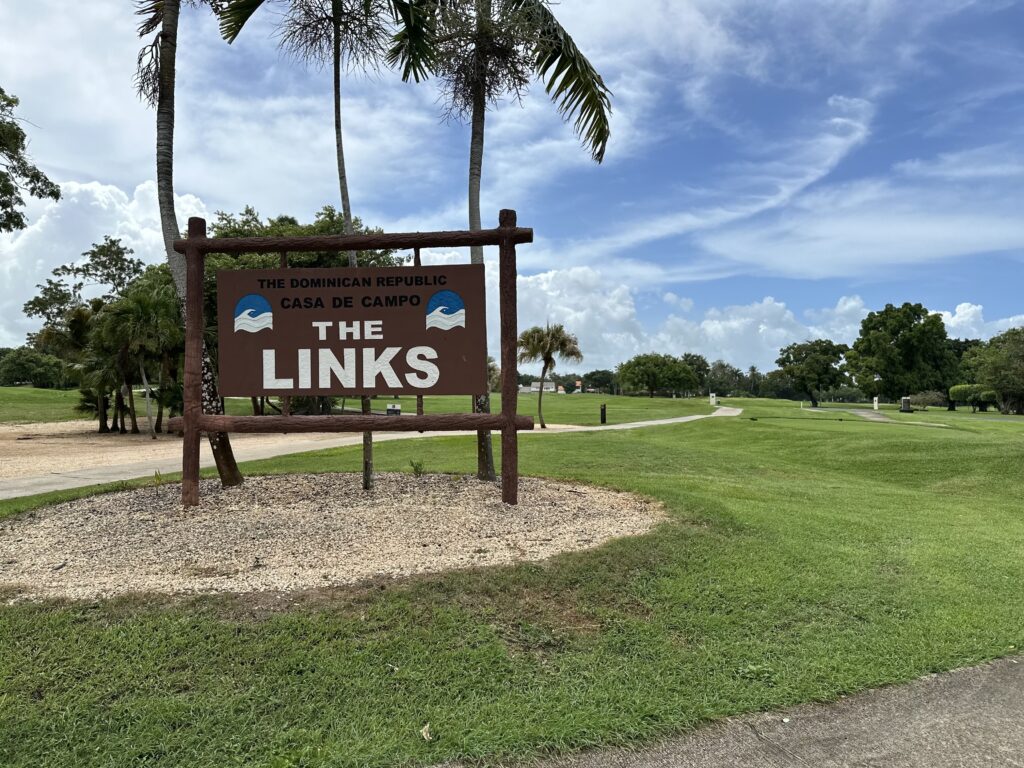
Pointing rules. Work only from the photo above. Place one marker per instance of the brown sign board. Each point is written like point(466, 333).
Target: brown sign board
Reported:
point(386, 331)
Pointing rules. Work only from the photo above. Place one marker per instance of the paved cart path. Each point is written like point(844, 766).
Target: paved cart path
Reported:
point(961, 719)
point(165, 453)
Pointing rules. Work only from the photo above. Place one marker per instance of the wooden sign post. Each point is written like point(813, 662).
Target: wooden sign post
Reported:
point(461, 352)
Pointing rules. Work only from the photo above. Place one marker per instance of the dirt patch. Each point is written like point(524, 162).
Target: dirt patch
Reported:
point(29, 450)
point(295, 532)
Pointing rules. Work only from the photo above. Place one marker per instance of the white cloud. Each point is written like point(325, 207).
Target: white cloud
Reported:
point(864, 227)
point(780, 173)
point(967, 321)
point(680, 302)
point(840, 323)
point(993, 161)
point(61, 231)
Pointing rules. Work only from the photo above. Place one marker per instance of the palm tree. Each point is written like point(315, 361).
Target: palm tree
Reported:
point(148, 321)
point(486, 49)
point(351, 32)
point(98, 377)
point(545, 344)
point(155, 83)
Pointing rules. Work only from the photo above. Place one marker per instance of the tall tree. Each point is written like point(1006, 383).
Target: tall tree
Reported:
point(700, 367)
point(25, 365)
point(339, 32)
point(1000, 368)
point(964, 350)
point(487, 49)
point(813, 366)
point(724, 378)
point(546, 345)
point(155, 83)
point(653, 373)
point(602, 380)
point(108, 264)
point(18, 175)
point(754, 379)
point(900, 351)
point(150, 324)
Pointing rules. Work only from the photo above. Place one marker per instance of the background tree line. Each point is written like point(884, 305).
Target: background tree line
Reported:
point(131, 336)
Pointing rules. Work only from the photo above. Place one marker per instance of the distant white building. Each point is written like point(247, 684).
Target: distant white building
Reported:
point(549, 386)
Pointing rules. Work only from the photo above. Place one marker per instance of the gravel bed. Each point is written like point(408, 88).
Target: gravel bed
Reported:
point(293, 532)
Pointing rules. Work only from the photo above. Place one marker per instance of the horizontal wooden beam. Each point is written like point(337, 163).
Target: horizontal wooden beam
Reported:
point(372, 241)
point(441, 422)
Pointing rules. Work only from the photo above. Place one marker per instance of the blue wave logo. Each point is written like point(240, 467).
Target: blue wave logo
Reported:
point(253, 314)
point(446, 310)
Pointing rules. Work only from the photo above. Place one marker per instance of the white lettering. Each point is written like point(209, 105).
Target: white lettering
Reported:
point(270, 380)
point(348, 329)
point(346, 372)
point(417, 358)
point(305, 369)
point(374, 366)
point(321, 328)
point(372, 330)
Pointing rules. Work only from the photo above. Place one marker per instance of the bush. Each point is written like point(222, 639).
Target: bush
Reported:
point(974, 395)
point(924, 399)
point(25, 365)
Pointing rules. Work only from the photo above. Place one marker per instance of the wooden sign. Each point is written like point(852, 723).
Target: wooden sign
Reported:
point(405, 337)
point(385, 331)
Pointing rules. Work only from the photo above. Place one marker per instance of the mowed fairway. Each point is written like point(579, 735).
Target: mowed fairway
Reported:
point(558, 409)
point(806, 557)
point(26, 404)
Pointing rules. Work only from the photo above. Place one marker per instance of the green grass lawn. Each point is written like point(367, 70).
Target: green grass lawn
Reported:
point(558, 409)
point(26, 404)
point(936, 414)
point(806, 557)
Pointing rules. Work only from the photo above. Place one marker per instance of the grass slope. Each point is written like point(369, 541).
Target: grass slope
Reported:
point(806, 557)
point(28, 404)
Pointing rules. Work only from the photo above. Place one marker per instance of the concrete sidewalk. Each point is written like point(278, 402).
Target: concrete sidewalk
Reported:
point(13, 487)
point(961, 719)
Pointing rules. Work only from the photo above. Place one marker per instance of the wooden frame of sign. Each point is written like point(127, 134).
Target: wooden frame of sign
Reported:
point(194, 422)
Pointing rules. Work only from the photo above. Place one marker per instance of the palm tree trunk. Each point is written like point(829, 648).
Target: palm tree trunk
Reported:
point(131, 407)
point(484, 446)
point(160, 400)
point(119, 411)
point(540, 396)
point(339, 146)
point(476, 166)
point(346, 206)
point(149, 412)
point(101, 411)
point(220, 443)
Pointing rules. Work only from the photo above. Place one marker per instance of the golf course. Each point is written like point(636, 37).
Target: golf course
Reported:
point(806, 555)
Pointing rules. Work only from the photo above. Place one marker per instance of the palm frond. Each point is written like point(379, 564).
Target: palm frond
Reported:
point(412, 47)
point(152, 13)
point(571, 81)
point(234, 14)
point(147, 72)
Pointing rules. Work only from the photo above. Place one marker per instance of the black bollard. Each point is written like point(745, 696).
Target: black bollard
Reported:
point(604, 413)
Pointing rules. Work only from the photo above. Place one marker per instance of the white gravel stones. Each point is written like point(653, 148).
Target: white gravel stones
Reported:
point(292, 532)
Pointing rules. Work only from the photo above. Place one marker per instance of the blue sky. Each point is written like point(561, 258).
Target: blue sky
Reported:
point(776, 170)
